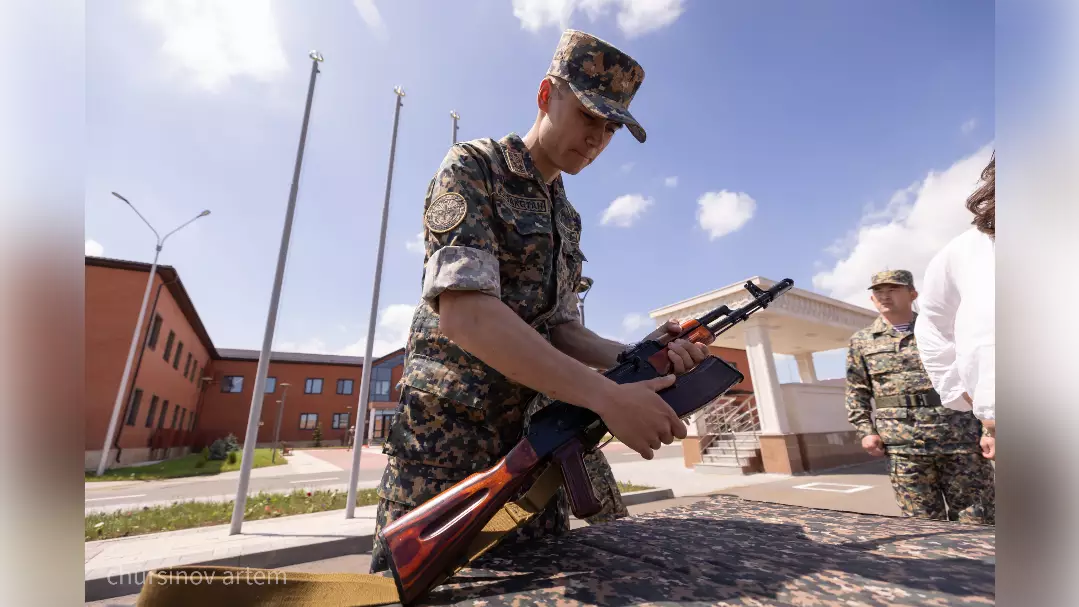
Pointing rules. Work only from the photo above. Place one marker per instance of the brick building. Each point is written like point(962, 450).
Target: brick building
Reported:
point(183, 392)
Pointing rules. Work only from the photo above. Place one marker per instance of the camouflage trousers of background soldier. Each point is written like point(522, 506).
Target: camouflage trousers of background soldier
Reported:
point(959, 487)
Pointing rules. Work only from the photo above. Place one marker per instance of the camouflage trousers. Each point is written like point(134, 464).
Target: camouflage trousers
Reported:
point(605, 487)
point(405, 487)
point(957, 487)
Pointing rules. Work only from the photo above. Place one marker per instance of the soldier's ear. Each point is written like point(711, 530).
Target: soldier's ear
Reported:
point(543, 98)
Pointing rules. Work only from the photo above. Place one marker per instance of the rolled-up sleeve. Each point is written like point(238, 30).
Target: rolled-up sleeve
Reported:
point(567, 310)
point(934, 329)
point(462, 248)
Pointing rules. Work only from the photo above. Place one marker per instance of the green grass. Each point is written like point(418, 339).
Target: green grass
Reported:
point(189, 515)
point(183, 467)
point(628, 487)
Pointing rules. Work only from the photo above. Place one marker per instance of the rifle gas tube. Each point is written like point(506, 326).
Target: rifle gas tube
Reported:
point(429, 544)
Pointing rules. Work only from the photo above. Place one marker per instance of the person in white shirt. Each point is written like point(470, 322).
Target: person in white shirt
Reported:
point(955, 332)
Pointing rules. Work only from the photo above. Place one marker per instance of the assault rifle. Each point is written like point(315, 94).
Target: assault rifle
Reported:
point(429, 544)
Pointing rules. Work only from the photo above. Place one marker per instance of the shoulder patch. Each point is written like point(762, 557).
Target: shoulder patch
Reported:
point(445, 213)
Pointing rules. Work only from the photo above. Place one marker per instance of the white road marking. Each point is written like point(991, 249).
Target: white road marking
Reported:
point(820, 487)
point(313, 480)
point(118, 497)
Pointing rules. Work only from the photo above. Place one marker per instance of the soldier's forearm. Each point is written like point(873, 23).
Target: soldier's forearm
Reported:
point(583, 344)
point(490, 331)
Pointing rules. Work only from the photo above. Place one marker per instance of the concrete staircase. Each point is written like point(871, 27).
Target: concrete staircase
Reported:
point(738, 453)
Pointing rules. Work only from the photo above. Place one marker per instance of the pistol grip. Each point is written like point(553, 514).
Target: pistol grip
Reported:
point(582, 499)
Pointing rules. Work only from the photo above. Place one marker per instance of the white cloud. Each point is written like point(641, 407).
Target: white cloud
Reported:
point(391, 333)
point(415, 244)
point(906, 233)
point(370, 15)
point(968, 126)
point(634, 17)
point(633, 323)
point(216, 41)
point(627, 167)
point(625, 210)
point(724, 212)
point(94, 248)
point(671, 182)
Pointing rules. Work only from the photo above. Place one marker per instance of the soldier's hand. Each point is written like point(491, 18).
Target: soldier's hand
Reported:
point(639, 417)
point(989, 447)
point(873, 445)
point(683, 354)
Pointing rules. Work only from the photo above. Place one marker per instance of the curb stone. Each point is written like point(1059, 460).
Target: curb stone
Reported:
point(102, 588)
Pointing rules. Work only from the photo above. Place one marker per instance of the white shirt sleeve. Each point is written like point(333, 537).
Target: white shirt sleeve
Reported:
point(938, 301)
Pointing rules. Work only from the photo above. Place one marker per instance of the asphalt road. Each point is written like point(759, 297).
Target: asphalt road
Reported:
point(136, 494)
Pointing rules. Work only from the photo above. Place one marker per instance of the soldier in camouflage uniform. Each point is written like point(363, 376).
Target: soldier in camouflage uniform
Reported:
point(498, 223)
point(937, 469)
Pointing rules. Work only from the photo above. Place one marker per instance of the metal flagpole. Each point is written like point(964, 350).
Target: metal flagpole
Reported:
point(365, 379)
point(258, 390)
point(453, 114)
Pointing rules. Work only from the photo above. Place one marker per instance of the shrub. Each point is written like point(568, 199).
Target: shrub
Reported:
point(234, 457)
point(317, 435)
point(205, 453)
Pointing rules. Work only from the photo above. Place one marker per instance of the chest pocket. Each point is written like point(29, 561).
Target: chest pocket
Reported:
point(523, 215)
point(882, 359)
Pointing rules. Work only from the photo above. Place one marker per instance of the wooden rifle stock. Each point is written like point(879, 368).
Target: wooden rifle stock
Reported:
point(425, 546)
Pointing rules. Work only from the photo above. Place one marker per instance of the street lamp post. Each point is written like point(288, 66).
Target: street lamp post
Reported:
point(582, 292)
point(277, 424)
point(453, 114)
point(365, 377)
point(259, 390)
point(118, 405)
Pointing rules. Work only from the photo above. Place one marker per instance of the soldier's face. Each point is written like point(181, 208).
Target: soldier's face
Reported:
point(571, 136)
point(893, 298)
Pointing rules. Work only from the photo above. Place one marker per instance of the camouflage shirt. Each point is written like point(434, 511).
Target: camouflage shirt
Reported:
point(882, 363)
point(491, 225)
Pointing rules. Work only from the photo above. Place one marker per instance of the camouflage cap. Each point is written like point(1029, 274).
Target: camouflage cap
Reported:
point(893, 277)
point(603, 77)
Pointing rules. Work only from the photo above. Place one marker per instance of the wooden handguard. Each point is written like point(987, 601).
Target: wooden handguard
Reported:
point(426, 550)
point(699, 335)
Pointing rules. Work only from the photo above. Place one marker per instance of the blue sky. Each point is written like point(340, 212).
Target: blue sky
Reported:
point(813, 140)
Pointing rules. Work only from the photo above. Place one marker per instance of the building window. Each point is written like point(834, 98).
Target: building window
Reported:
point(168, 345)
point(308, 421)
point(195, 372)
point(380, 384)
point(344, 386)
point(313, 386)
point(271, 385)
point(340, 421)
point(232, 383)
point(175, 415)
point(150, 414)
point(155, 333)
point(187, 365)
point(183, 417)
point(133, 411)
point(164, 410)
point(179, 351)
point(191, 422)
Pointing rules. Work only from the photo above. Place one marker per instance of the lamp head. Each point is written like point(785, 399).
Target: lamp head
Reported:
point(585, 285)
point(317, 56)
point(204, 213)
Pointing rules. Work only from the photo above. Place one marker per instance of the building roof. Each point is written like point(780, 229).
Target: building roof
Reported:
point(175, 286)
point(172, 280)
point(292, 357)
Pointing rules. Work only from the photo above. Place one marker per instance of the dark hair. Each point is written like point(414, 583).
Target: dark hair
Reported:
point(983, 202)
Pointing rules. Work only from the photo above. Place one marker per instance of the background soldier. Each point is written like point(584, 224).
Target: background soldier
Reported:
point(936, 466)
point(498, 323)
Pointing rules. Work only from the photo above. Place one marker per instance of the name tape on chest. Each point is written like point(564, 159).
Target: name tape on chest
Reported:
point(445, 213)
point(520, 203)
